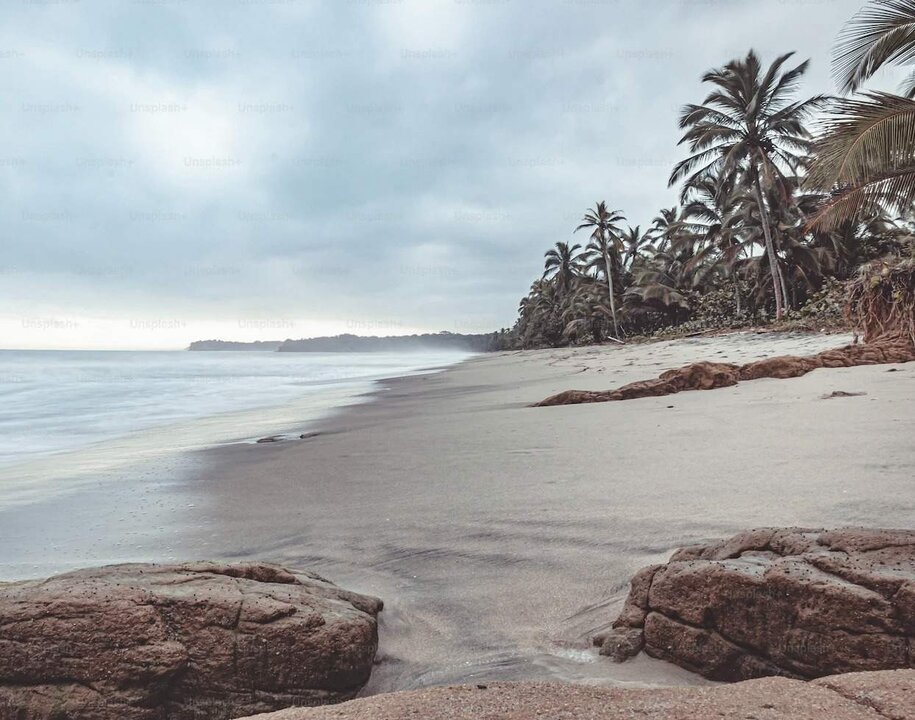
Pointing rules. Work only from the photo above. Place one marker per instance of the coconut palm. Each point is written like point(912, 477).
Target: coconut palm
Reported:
point(588, 312)
point(748, 123)
point(664, 226)
point(563, 262)
point(634, 242)
point(605, 247)
point(712, 225)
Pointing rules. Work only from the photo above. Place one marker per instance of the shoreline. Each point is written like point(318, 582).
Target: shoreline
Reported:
point(502, 536)
point(131, 497)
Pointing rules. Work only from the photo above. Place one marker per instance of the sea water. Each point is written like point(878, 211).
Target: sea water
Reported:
point(68, 418)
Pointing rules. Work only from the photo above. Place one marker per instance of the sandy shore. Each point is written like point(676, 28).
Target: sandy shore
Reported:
point(501, 536)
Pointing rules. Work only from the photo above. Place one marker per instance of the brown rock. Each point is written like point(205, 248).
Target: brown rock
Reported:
point(862, 696)
point(636, 606)
point(203, 640)
point(622, 643)
point(791, 601)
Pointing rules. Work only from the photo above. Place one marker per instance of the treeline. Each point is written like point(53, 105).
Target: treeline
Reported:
point(774, 211)
point(258, 345)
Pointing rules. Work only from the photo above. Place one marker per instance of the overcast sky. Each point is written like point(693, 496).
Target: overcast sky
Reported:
point(256, 169)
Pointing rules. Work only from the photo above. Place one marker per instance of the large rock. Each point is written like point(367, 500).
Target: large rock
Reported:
point(201, 641)
point(888, 695)
point(795, 602)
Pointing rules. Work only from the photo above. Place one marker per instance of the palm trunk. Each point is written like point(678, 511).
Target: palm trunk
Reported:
point(781, 280)
point(609, 269)
point(770, 247)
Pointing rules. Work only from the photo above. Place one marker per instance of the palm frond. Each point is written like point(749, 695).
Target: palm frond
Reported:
point(895, 189)
point(875, 134)
point(880, 33)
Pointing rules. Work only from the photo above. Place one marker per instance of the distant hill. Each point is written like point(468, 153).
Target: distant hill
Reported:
point(270, 345)
point(358, 343)
point(428, 341)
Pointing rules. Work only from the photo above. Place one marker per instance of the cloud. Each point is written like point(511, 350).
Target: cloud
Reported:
point(398, 164)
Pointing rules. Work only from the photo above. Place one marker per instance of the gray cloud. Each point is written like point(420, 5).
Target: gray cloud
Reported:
point(352, 163)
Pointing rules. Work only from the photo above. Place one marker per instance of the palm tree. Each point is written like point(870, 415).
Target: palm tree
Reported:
point(866, 152)
point(563, 263)
point(748, 123)
point(664, 226)
point(605, 245)
point(588, 312)
point(712, 224)
point(633, 241)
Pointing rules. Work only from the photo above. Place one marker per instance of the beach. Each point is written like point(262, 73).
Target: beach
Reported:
point(500, 536)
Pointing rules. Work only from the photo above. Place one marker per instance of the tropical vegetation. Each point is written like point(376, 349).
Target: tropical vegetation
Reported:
point(781, 200)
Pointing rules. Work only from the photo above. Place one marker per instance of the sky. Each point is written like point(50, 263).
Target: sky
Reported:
point(173, 170)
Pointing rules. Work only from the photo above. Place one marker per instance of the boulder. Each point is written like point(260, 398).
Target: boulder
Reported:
point(795, 602)
point(201, 640)
point(887, 695)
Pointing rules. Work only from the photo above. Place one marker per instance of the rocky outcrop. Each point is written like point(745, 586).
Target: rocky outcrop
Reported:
point(888, 695)
point(709, 375)
point(202, 640)
point(794, 602)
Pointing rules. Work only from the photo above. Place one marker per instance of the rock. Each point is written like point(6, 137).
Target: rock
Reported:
point(202, 640)
point(860, 696)
point(622, 643)
point(781, 601)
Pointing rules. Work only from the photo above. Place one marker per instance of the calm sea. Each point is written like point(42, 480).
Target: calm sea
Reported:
point(70, 417)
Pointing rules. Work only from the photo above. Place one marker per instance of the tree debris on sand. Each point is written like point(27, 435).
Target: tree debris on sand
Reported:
point(881, 302)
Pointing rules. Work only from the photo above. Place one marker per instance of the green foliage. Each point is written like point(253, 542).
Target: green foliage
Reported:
point(770, 222)
point(824, 309)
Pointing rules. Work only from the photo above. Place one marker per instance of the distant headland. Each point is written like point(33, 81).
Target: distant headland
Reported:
point(485, 342)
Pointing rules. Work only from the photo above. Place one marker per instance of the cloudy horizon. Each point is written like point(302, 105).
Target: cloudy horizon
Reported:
point(260, 170)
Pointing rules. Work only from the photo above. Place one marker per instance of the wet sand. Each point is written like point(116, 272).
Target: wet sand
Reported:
point(502, 536)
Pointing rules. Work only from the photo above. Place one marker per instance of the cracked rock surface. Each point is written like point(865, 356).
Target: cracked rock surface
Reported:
point(200, 640)
point(795, 602)
point(886, 695)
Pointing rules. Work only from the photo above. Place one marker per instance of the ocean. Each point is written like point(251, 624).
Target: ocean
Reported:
point(72, 418)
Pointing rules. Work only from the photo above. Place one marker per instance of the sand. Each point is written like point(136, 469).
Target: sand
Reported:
point(502, 536)
point(856, 696)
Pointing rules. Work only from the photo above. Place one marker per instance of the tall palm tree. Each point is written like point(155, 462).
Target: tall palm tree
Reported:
point(606, 245)
point(749, 123)
point(563, 262)
point(866, 151)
